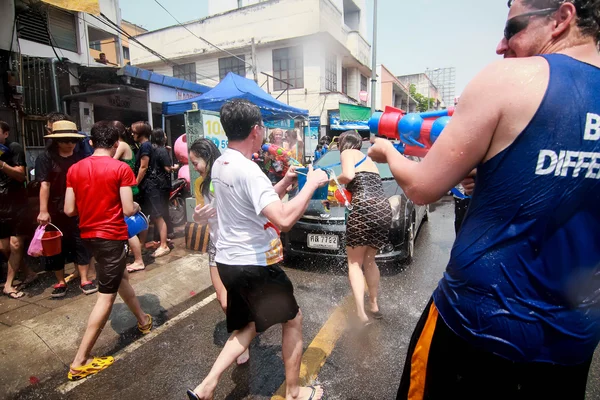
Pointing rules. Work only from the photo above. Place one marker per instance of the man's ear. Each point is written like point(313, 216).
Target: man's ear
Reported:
point(116, 145)
point(91, 143)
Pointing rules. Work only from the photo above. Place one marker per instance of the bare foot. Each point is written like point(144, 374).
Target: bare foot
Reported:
point(308, 393)
point(133, 267)
point(243, 359)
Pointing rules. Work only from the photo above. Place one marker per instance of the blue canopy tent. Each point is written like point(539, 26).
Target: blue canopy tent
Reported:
point(236, 87)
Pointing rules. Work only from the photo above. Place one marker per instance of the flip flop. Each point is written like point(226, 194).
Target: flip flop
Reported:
point(160, 252)
point(146, 328)
point(192, 395)
point(98, 364)
point(15, 294)
point(376, 314)
point(312, 394)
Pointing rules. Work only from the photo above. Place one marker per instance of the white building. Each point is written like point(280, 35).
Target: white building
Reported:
point(318, 47)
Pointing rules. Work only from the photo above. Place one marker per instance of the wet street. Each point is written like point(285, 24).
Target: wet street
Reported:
point(365, 365)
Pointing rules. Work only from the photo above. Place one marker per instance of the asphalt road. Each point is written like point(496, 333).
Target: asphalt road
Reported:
point(361, 366)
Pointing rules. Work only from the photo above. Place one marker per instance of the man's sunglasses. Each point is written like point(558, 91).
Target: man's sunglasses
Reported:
point(67, 140)
point(518, 23)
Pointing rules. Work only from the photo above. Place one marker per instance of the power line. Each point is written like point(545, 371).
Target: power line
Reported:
point(201, 38)
point(153, 52)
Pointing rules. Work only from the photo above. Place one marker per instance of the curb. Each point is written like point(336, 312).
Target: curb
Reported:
point(38, 349)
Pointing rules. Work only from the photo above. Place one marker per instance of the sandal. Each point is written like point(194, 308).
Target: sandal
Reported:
point(192, 395)
point(98, 364)
point(15, 294)
point(145, 329)
point(376, 314)
point(161, 252)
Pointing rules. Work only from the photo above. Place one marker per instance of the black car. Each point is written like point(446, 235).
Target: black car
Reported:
point(321, 231)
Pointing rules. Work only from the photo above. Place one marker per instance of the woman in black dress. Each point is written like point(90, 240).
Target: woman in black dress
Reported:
point(368, 224)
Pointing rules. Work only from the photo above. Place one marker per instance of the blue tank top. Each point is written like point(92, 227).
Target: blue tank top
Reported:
point(523, 279)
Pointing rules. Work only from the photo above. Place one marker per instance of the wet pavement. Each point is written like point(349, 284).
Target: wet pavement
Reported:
point(361, 366)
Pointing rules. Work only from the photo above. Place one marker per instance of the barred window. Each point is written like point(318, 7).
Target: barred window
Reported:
point(232, 64)
point(185, 71)
point(331, 73)
point(345, 80)
point(288, 65)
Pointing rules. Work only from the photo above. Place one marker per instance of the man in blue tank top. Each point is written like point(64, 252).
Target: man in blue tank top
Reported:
point(517, 312)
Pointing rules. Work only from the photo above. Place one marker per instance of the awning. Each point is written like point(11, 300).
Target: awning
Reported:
point(164, 80)
point(86, 6)
point(352, 112)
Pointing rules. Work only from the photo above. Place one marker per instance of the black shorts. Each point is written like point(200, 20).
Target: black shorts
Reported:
point(110, 263)
point(259, 294)
point(73, 249)
point(156, 203)
point(441, 365)
point(13, 219)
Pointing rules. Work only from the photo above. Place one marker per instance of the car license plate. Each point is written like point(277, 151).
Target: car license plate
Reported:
point(328, 242)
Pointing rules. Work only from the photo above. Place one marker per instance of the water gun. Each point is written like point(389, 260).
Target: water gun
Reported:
point(417, 132)
point(280, 154)
point(3, 149)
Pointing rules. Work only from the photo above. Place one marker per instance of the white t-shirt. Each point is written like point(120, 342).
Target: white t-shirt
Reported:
point(242, 191)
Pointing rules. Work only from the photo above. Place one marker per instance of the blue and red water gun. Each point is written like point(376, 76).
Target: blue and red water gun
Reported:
point(416, 131)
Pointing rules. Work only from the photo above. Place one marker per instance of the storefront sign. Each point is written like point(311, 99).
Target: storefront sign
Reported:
point(213, 130)
point(160, 94)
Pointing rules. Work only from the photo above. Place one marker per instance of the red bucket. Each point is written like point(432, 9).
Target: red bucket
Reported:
point(52, 242)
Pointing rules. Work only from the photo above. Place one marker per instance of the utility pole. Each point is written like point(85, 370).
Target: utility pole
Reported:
point(374, 63)
point(120, 57)
point(254, 69)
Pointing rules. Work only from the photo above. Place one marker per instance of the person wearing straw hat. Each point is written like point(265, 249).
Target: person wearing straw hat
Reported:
point(51, 171)
point(99, 191)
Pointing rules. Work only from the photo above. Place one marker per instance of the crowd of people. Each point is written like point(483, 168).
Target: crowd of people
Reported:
point(517, 312)
point(139, 147)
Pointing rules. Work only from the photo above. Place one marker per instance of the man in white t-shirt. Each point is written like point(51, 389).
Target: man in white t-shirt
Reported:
point(250, 215)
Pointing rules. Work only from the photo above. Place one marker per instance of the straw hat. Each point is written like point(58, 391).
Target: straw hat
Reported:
point(64, 129)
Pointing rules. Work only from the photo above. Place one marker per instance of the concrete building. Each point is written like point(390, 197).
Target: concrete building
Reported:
point(392, 92)
point(109, 45)
point(316, 49)
point(50, 65)
point(42, 48)
point(425, 87)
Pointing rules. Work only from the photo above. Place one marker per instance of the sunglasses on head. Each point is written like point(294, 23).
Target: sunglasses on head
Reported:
point(517, 23)
point(67, 140)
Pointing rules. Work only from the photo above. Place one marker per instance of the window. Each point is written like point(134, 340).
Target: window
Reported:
point(240, 5)
point(345, 80)
point(185, 71)
point(96, 45)
point(232, 64)
point(331, 72)
point(363, 85)
point(288, 65)
point(56, 27)
point(126, 53)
